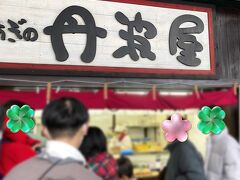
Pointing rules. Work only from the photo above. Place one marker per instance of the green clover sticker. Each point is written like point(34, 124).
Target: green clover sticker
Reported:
point(211, 120)
point(20, 118)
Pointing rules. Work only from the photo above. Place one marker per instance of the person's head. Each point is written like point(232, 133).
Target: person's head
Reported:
point(11, 102)
point(65, 119)
point(93, 143)
point(4, 107)
point(120, 130)
point(125, 168)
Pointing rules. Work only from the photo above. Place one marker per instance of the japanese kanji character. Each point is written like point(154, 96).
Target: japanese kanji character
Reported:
point(183, 38)
point(2, 33)
point(66, 23)
point(135, 42)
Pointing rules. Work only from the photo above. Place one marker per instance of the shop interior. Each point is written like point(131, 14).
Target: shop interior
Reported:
point(137, 107)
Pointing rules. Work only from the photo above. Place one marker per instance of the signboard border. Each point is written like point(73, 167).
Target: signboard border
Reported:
point(9, 68)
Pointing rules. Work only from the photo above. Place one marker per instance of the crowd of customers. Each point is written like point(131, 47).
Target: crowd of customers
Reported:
point(76, 151)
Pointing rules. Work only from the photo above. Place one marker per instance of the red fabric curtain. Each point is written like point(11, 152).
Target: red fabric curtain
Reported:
point(115, 100)
point(211, 98)
point(32, 98)
point(91, 99)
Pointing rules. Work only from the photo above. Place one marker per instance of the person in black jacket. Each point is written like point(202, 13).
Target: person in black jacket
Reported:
point(185, 162)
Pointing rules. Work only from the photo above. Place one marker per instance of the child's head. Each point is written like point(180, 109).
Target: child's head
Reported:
point(125, 168)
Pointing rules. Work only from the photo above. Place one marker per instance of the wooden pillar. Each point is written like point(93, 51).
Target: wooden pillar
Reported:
point(154, 92)
point(105, 91)
point(48, 93)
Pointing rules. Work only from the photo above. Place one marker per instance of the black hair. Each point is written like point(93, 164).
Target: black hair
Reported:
point(125, 167)
point(64, 116)
point(5, 106)
point(11, 102)
point(93, 143)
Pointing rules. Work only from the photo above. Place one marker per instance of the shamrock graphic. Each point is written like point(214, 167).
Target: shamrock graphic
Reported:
point(211, 120)
point(176, 128)
point(20, 118)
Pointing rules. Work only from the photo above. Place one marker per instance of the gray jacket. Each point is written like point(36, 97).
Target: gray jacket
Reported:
point(185, 162)
point(223, 157)
point(50, 168)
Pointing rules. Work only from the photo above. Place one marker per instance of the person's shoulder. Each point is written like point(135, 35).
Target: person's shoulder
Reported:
point(18, 150)
point(30, 163)
point(111, 161)
point(16, 146)
point(33, 164)
point(77, 170)
point(127, 137)
point(186, 148)
point(112, 158)
point(183, 145)
point(231, 142)
point(35, 167)
point(22, 169)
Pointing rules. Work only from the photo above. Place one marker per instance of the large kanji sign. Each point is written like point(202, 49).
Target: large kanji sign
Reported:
point(106, 36)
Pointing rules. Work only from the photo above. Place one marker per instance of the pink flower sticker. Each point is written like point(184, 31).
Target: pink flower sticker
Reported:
point(176, 128)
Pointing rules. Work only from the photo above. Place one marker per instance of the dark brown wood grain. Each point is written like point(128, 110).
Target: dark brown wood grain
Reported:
point(227, 36)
